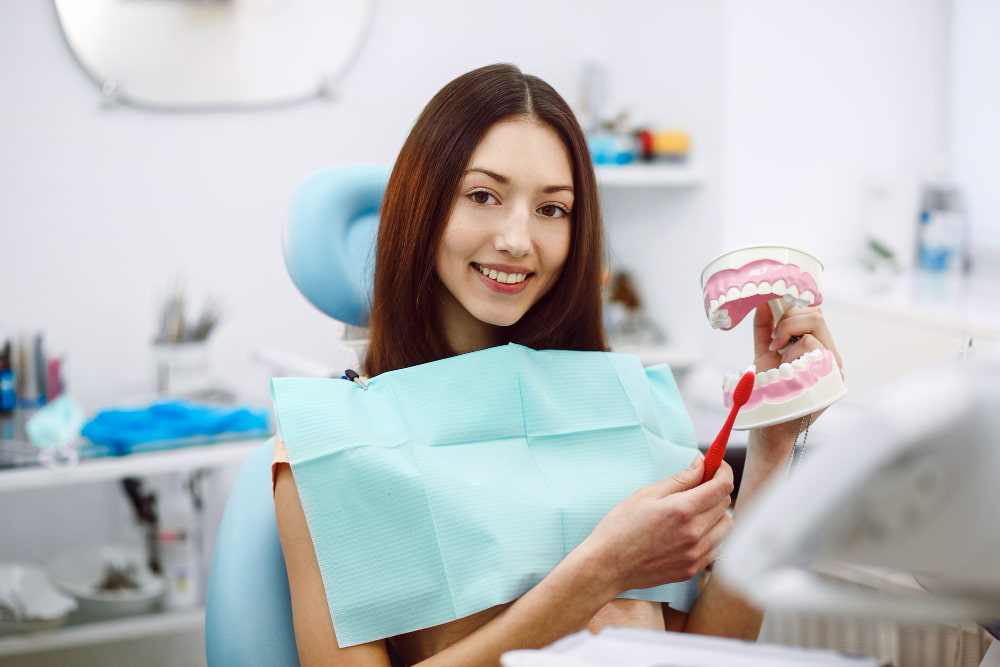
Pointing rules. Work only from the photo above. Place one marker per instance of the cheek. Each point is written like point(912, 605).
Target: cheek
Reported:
point(557, 250)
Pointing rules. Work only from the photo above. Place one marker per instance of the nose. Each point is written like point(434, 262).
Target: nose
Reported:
point(514, 235)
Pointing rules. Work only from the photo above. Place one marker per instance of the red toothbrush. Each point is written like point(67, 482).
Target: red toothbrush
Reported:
point(741, 394)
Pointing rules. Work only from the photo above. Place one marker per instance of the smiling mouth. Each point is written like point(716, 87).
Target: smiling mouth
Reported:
point(500, 276)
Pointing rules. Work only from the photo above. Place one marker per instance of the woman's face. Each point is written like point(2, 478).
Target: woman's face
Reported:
point(509, 232)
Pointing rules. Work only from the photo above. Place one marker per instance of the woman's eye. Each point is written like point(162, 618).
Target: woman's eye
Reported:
point(482, 197)
point(553, 211)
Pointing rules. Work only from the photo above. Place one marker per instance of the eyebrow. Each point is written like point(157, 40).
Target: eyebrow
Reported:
point(503, 180)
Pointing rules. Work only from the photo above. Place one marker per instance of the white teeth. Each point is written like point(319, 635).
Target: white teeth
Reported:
point(713, 305)
point(793, 291)
point(748, 290)
point(501, 277)
point(733, 294)
point(783, 371)
point(808, 297)
point(764, 287)
point(779, 288)
point(720, 319)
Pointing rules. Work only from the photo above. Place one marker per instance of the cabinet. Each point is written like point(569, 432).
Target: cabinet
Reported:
point(638, 201)
point(110, 470)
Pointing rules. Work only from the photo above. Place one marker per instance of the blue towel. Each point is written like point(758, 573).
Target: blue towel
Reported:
point(121, 430)
point(450, 487)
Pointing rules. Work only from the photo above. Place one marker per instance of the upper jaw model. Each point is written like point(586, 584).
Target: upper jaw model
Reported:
point(733, 285)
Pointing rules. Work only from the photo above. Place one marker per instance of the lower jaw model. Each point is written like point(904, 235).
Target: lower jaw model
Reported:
point(734, 284)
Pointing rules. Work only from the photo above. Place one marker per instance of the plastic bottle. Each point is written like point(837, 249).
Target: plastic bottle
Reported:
point(178, 539)
point(8, 383)
point(942, 239)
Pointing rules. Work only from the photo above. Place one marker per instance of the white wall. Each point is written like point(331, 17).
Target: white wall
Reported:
point(974, 127)
point(102, 209)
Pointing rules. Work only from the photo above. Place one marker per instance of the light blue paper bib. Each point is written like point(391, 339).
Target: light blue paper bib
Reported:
point(451, 487)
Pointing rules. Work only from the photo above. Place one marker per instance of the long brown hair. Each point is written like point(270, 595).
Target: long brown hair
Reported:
point(404, 325)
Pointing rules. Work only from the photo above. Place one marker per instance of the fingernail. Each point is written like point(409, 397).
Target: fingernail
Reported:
point(696, 462)
point(772, 348)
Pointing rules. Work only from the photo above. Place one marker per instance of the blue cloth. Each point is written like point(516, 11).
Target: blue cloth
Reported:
point(451, 487)
point(121, 430)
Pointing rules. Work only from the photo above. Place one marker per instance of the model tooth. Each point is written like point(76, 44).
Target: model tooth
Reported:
point(808, 297)
point(493, 274)
point(501, 277)
point(761, 379)
point(793, 291)
point(764, 287)
point(713, 305)
point(815, 354)
point(773, 375)
point(779, 287)
point(733, 294)
point(800, 364)
point(748, 290)
point(785, 370)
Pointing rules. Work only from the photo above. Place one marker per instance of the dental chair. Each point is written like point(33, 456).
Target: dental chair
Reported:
point(329, 252)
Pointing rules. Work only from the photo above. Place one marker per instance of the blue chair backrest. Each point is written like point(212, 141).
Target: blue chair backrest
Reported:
point(329, 252)
point(248, 611)
point(330, 239)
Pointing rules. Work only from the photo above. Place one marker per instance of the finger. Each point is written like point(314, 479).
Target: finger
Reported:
point(763, 330)
point(717, 535)
point(705, 501)
point(799, 323)
point(681, 481)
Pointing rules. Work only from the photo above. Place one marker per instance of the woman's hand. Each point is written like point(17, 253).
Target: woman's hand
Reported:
point(664, 532)
point(800, 330)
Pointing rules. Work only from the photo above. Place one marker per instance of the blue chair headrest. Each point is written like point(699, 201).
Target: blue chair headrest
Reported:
point(329, 242)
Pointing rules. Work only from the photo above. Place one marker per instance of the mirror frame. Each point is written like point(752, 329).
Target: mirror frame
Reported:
point(203, 55)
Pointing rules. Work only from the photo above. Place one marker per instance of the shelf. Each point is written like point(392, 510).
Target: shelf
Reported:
point(968, 305)
point(677, 357)
point(649, 176)
point(113, 468)
point(102, 632)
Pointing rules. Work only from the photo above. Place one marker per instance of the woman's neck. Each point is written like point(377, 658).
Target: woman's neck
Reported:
point(464, 332)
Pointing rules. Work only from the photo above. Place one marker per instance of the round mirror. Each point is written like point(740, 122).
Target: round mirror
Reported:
point(201, 54)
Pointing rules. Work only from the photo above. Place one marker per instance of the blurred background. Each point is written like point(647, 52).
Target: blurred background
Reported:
point(834, 126)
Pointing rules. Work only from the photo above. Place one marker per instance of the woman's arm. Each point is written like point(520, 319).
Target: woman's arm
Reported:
point(667, 531)
point(720, 611)
point(314, 634)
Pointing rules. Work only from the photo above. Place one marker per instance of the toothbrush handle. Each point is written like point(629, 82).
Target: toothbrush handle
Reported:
point(713, 459)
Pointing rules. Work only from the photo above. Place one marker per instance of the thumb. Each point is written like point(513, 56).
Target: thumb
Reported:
point(686, 479)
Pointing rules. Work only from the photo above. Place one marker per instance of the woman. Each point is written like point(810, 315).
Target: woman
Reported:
point(490, 233)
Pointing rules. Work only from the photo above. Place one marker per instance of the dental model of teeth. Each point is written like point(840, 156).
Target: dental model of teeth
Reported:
point(732, 293)
point(733, 285)
point(791, 390)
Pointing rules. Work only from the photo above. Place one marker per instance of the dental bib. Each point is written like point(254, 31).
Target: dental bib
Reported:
point(440, 490)
point(733, 285)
